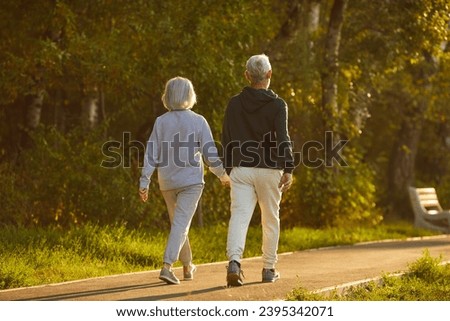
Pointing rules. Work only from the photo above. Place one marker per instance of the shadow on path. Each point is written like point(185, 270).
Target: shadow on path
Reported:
point(83, 294)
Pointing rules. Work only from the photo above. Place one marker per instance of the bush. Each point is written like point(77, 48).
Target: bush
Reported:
point(215, 201)
point(341, 197)
point(60, 181)
point(15, 199)
point(443, 191)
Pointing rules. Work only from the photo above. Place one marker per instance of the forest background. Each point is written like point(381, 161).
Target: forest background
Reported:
point(81, 85)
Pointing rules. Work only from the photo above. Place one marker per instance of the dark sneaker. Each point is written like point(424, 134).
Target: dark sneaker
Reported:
point(188, 272)
point(270, 275)
point(168, 276)
point(234, 274)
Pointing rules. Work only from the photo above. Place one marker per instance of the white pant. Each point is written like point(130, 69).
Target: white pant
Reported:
point(248, 187)
point(181, 204)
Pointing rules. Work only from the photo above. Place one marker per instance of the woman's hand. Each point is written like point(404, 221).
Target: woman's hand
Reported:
point(143, 193)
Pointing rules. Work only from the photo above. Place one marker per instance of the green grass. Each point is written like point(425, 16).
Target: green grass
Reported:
point(40, 256)
point(425, 280)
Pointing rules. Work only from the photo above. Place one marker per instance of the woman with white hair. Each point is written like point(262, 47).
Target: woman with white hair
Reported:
point(179, 143)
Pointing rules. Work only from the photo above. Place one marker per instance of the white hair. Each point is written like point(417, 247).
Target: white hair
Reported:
point(179, 94)
point(258, 66)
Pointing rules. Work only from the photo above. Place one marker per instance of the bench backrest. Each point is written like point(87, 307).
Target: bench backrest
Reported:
point(425, 199)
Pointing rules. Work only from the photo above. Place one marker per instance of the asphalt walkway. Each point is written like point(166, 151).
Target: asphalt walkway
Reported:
point(319, 269)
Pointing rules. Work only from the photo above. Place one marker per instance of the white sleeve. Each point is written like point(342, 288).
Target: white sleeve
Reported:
point(150, 157)
point(209, 151)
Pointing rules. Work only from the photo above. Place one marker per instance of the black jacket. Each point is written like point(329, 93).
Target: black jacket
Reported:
point(255, 132)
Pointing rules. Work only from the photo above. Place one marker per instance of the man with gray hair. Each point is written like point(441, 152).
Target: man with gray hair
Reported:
point(258, 157)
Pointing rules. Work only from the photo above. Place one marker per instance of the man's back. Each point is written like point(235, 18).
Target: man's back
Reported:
point(255, 126)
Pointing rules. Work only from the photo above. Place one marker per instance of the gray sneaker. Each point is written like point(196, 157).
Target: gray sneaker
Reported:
point(168, 276)
point(234, 274)
point(188, 272)
point(270, 275)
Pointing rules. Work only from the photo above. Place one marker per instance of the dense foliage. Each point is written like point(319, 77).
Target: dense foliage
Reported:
point(76, 75)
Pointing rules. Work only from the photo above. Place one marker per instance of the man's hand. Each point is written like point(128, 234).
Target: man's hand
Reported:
point(285, 182)
point(143, 193)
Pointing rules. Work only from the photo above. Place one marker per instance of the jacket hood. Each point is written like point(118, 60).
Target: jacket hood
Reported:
point(254, 99)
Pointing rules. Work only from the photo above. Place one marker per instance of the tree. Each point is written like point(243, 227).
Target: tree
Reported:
point(330, 69)
point(397, 45)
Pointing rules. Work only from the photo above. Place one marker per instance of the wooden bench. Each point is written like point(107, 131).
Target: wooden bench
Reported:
point(428, 213)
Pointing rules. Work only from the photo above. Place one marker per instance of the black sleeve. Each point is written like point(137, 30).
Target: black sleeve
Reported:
point(284, 143)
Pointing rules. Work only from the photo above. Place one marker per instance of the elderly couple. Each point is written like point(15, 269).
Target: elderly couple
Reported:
point(257, 164)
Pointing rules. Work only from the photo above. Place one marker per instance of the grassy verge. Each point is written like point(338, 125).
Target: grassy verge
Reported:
point(425, 280)
point(41, 256)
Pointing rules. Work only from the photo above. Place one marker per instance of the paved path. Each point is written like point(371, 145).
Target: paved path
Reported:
point(312, 269)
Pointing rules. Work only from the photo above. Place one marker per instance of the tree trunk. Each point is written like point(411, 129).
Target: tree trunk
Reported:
point(329, 75)
point(90, 110)
point(331, 66)
point(34, 110)
point(403, 156)
point(313, 16)
point(401, 169)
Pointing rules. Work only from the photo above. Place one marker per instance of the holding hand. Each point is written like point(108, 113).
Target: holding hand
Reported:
point(285, 182)
point(225, 180)
point(143, 193)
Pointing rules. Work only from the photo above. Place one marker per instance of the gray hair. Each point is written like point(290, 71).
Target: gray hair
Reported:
point(179, 94)
point(258, 66)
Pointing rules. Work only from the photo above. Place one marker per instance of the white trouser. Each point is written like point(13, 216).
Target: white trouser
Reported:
point(248, 187)
point(181, 204)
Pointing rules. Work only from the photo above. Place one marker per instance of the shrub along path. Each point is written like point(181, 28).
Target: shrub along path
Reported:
point(311, 269)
